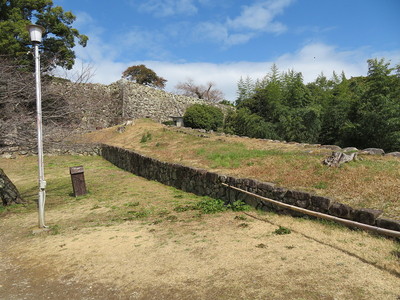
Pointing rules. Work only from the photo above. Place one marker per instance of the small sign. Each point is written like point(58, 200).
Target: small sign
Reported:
point(78, 180)
point(76, 170)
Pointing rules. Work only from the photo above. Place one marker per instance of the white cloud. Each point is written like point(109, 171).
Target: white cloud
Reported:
point(315, 58)
point(165, 8)
point(252, 21)
point(311, 60)
point(260, 17)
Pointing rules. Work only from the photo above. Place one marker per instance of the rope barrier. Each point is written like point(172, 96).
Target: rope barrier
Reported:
point(379, 230)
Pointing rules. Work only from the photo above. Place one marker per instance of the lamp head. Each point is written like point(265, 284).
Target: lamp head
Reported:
point(35, 32)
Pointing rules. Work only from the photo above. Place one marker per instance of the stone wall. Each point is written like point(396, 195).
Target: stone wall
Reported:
point(139, 101)
point(53, 150)
point(205, 183)
point(99, 105)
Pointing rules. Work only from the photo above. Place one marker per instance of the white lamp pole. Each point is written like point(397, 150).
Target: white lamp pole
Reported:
point(36, 32)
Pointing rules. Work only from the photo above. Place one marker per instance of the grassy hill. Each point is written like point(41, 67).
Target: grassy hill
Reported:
point(373, 182)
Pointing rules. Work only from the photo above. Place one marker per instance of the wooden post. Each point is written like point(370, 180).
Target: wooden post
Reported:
point(78, 180)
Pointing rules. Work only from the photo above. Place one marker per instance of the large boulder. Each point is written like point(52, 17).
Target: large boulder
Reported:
point(8, 192)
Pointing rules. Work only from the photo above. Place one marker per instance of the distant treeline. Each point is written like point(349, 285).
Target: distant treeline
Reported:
point(360, 111)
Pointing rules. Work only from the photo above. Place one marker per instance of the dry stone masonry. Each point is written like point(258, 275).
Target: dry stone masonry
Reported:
point(99, 105)
point(204, 183)
point(139, 101)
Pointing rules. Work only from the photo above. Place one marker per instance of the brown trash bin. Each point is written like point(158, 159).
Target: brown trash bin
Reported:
point(78, 180)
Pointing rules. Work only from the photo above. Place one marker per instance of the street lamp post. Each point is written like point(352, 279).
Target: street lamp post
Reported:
point(35, 32)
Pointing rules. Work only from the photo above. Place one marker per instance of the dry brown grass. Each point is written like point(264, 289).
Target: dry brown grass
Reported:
point(97, 246)
point(371, 183)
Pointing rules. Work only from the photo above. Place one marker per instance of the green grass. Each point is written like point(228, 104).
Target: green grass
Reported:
point(235, 155)
point(321, 185)
point(114, 195)
point(146, 137)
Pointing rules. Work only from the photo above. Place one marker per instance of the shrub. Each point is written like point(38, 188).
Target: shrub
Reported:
point(282, 230)
point(204, 117)
point(211, 206)
point(244, 123)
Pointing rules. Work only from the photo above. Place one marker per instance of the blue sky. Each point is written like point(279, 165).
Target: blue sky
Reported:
point(220, 41)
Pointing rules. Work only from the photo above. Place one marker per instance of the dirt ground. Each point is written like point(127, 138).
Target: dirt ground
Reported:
point(224, 256)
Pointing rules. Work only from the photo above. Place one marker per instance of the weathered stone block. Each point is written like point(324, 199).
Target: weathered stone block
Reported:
point(266, 186)
point(320, 204)
point(341, 210)
point(366, 216)
point(298, 198)
point(279, 193)
point(252, 201)
point(211, 177)
point(388, 224)
point(232, 181)
point(222, 178)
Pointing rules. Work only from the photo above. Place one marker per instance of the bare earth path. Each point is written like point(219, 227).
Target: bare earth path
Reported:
point(217, 258)
point(94, 251)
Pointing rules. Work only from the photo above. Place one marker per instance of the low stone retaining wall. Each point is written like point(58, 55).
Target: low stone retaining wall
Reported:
point(62, 149)
point(204, 183)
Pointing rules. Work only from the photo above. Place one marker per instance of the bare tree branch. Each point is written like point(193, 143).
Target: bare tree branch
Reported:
point(207, 92)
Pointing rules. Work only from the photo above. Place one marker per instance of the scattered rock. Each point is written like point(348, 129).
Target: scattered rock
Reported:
point(339, 158)
point(394, 154)
point(331, 147)
point(350, 149)
point(121, 129)
point(373, 151)
point(129, 123)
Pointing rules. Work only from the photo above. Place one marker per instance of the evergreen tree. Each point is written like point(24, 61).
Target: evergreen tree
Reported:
point(58, 39)
point(379, 112)
point(361, 111)
point(245, 89)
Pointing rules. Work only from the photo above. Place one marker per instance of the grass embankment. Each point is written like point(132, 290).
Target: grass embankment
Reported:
point(130, 237)
point(373, 182)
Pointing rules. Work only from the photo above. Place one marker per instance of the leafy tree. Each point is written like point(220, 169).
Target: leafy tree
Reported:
point(204, 117)
point(244, 123)
point(300, 125)
point(245, 89)
point(207, 92)
point(295, 93)
point(361, 111)
point(143, 75)
point(226, 102)
point(336, 100)
point(379, 112)
point(58, 39)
